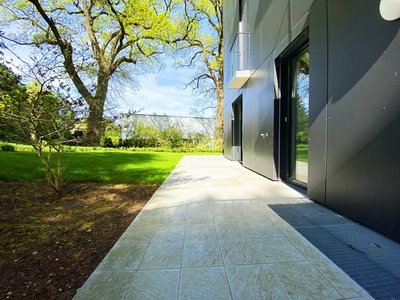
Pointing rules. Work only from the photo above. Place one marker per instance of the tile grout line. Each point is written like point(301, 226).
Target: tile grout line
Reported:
point(182, 251)
point(308, 259)
point(220, 250)
point(272, 271)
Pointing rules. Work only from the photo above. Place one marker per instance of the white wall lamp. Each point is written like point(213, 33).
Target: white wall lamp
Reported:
point(390, 9)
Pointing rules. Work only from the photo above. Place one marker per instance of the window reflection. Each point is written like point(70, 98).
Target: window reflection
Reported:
point(301, 116)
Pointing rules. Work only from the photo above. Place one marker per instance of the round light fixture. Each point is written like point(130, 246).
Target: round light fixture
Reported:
point(390, 9)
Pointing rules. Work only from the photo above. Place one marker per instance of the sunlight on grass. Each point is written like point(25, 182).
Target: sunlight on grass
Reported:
point(110, 166)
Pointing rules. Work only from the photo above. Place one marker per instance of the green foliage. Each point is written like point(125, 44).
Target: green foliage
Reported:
point(143, 135)
point(98, 44)
point(202, 48)
point(36, 116)
point(173, 136)
point(111, 131)
point(32, 114)
point(8, 148)
point(11, 90)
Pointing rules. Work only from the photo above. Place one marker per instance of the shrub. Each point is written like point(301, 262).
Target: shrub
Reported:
point(173, 136)
point(8, 148)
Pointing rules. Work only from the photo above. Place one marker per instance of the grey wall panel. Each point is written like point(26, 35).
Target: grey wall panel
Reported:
point(231, 27)
point(275, 24)
point(247, 146)
point(262, 89)
point(231, 21)
point(299, 9)
point(256, 55)
point(271, 25)
point(364, 115)
point(292, 35)
point(227, 131)
point(318, 100)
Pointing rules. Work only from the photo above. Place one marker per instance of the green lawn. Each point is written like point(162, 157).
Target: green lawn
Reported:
point(108, 166)
point(302, 153)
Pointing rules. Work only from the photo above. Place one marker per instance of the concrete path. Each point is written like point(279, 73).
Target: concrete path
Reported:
point(209, 233)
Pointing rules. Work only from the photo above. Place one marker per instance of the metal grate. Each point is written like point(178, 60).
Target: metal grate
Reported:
point(240, 52)
point(370, 259)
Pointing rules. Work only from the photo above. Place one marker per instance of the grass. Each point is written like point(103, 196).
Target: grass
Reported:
point(107, 166)
point(302, 153)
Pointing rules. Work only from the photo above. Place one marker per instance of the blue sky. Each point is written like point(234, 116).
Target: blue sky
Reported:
point(161, 93)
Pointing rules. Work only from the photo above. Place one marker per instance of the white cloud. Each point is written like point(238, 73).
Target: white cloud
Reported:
point(160, 94)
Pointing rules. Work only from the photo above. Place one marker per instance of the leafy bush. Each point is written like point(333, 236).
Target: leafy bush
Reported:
point(8, 148)
point(144, 136)
point(173, 136)
point(170, 139)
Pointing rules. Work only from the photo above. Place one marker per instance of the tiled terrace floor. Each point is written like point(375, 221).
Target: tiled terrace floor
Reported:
point(209, 233)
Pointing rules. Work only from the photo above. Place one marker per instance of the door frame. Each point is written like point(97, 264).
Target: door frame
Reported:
point(237, 129)
point(286, 137)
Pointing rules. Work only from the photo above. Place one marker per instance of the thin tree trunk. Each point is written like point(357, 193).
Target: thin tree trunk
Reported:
point(220, 109)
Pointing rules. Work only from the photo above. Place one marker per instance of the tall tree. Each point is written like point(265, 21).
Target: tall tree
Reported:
point(202, 47)
point(95, 41)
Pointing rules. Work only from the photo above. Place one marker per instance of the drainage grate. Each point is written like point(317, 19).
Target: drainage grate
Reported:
point(370, 259)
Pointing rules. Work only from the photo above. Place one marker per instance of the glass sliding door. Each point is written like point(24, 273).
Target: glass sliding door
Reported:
point(299, 112)
point(292, 95)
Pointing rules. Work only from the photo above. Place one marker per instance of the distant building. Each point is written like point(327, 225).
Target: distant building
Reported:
point(312, 97)
point(188, 125)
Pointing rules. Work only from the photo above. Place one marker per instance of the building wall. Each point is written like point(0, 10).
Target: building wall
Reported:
point(354, 127)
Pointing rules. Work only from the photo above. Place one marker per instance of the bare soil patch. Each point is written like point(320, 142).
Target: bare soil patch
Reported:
point(51, 244)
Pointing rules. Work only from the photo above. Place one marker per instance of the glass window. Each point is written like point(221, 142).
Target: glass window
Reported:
point(300, 117)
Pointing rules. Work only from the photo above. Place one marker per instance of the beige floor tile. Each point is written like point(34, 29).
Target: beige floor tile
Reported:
point(232, 231)
point(201, 254)
point(105, 286)
point(203, 231)
point(137, 234)
point(239, 252)
point(123, 257)
point(340, 280)
point(254, 282)
point(204, 283)
point(173, 215)
point(278, 249)
point(162, 255)
point(262, 229)
point(155, 284)
point(173, 233)
point(301, 280)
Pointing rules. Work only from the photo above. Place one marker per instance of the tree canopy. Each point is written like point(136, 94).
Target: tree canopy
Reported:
point(202, 48)
point(101, 45)
point(94, 42)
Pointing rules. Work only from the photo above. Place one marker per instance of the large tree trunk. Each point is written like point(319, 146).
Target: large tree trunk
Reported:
point(95, 122)
point(96, 110)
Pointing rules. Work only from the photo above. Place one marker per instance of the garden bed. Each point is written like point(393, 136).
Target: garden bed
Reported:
point(51, 244)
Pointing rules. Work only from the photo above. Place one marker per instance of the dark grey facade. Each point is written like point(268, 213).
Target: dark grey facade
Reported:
point(351, 151)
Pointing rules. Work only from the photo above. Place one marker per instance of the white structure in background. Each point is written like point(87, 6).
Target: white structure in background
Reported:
point(188, 125)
